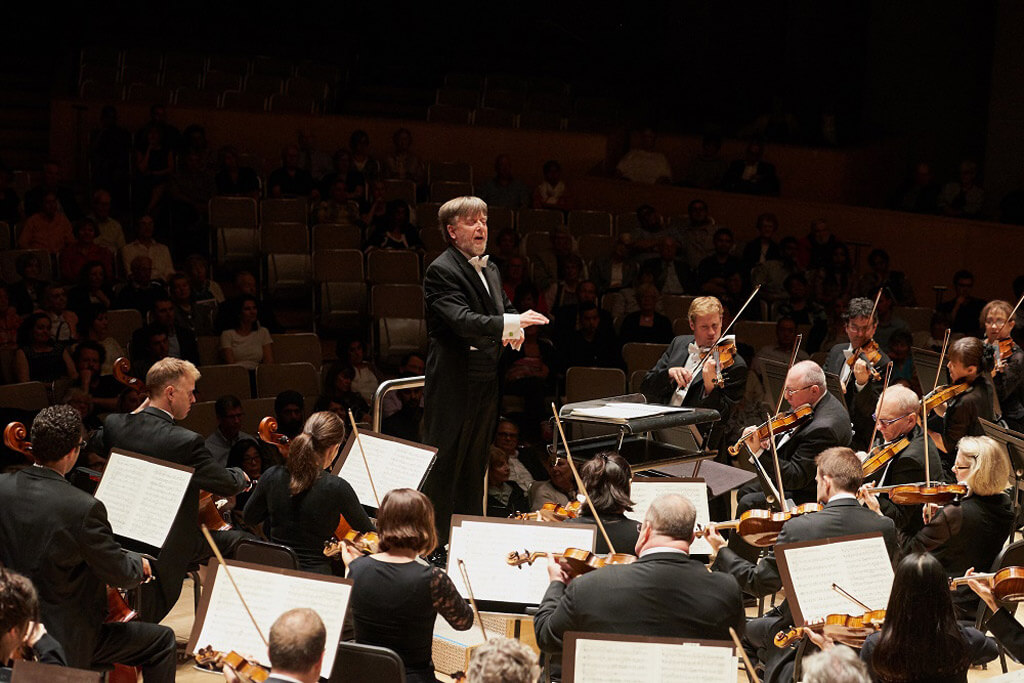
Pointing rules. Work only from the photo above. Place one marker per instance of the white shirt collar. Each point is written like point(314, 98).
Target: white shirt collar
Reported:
point(842, 495)
point(663, 549)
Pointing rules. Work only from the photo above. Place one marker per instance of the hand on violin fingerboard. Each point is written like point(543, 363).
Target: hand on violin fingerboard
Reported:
point(714, 539)
point(983, 590)
point(869, 500)
point(710, 374)
point(557, 572)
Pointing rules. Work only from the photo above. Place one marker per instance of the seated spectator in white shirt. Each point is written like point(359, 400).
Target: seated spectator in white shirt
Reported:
point(145, 245)
point(642, 164)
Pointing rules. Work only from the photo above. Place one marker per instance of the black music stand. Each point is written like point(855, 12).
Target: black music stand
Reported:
point(926, 362)
point(835, 387)
point(1013, 442)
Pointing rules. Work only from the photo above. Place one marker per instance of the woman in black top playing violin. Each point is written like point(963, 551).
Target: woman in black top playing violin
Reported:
point(971, 362)
point(396, 594)
point(1008, 373)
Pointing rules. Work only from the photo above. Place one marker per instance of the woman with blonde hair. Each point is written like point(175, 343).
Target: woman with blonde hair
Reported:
point(971, 533)
point(396, 594)
point(299, 503)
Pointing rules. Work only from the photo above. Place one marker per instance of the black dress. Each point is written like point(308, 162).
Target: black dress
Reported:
point(962, 413)
point(395, 605)
point(303, 522)
point(622, 531)
point(1009, 384)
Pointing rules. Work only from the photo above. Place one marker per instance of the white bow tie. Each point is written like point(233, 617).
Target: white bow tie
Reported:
point(479, 262)
point(695, 350)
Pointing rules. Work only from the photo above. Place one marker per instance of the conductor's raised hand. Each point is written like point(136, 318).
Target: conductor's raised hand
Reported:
point(532, 317)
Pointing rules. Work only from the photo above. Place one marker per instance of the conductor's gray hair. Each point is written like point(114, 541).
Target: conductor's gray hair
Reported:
point(838, 664)
point(807, 373)
point(464, 207)
point(672, 515)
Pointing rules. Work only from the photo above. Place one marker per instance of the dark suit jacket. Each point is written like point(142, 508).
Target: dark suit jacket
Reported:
point(659, 269)
point(908, 468)
point(59, 537)
point(841, 517)
point(829, 426)
point(460, 314)
point(962, 413)
point(860, 404)
point(152, 432)
point(187, 343)
point(661, 594)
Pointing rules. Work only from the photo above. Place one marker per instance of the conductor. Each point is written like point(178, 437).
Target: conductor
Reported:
point(469, 319)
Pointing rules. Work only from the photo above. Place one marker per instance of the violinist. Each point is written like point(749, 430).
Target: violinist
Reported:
point(664, 593)
point(839, 475)
point(969, 362)
point(295, 646)
point(673, 381)
point(829, 426)
point(920, 640)
point(58, 536)
point(1001, 623)
point(972, 533)
point(299, 503)
point(396, 594)
point(606, 477)
point(862, 391)
point(1008, 374)
point(151, 430)
point(20, 627)
point(898, 415)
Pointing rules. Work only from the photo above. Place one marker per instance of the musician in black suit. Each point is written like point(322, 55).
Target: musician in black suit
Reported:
point(838, 478)
point(151, 431)
point(296, 647)
point(860, 389)
point(664, 593)
point(899, 416)
point(828, 426)
point(469, 319)
point(1001, 624)
point(671, 381)
point(59, 537)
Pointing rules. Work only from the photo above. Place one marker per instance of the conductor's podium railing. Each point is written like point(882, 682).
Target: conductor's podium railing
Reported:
point(386, 387)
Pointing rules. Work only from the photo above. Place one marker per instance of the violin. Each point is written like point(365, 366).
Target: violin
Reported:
point(760, 528)
point(724, 352)
point(269, 434)
point(882, 454)
point(553, 512)
point(872, 353)
point(1007, 583)
point(366, 542)
point(848, 629)
point(782, 422)
point(248, 670)
point(920, 494)
point(579, 561)
point(940, 395)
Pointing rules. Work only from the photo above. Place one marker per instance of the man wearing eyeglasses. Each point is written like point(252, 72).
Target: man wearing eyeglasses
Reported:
point(861, 390)
point(898, 416)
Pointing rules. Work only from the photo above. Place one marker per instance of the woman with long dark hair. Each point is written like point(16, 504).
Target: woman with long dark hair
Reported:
point(396, 594)
point(607, 478)
point(969, 361)
point(299, 503)
point(921, 639)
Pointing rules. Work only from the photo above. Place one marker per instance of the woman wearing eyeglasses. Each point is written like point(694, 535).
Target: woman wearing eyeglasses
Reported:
point(971, 533)
point(971, 362)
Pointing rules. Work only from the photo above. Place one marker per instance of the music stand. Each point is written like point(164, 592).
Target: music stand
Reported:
point(926, 362)
point(1013, 442)
point(774, 376)
point(835, 387)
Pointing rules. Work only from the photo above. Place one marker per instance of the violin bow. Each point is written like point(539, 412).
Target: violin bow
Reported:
point(227, 572)
point(728, 328)
point(942, 357)
point(751, 674)
point(849, 597)
point(472, 600)
point(881, 400)
point(792, 362)
point(366, 463)
point(1013, 313)
point(927, 458)
point(778, 471)
point(579, 482)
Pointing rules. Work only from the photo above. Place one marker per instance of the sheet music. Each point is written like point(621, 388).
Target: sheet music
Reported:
point(626, 411)
point(617, 661)
point(269, 594)
point(861, 567)
point(142, 497)
point(1011, 677)
point(643, 492)
point(393, 465)
point(484, 546)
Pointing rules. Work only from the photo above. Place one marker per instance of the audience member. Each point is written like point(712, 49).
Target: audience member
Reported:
point(145, 245)
point(373, 209)
point(83, 250)
point(816, 247)
point(530, 372)
point(920, 194)
point(111, 234)
point(503, 660)
point(289, 180)
point(410, 365)
point(407, 422)
point(592, 346)
point(963, 198)
point(506, 247)
point(335, 208)
point(757, 388)
point(233, 180)
point(10, 321)
point(763, 247)
point(506, 437)
point(47, 229)
point(365, 169)
point(39, 358)
point(395, 231)
point(881, 276)
point(552, 192)
point(352, 351)
point(834, 282)
point(312, 159)
point(247, 455)
point(716, 269)
point(338, 388)
point(642, 164)
point(504, 189)
point(64, 323)
point(104, 390)
point(158, 119)
point(289, 408)
point(505, 498)
point(646, 326)
point(651, 229)
point(752, 175)
point(50, 183)
point(617, 270)
point(698, 234)
point(141, 289)
point(110, 148)
point(670, 273)
point(154, 166)
point(26, 292)
point(181, 341)
point(559, 488)
point(187, 209)
point(402, 163)
point(355, 183)
point(92, 287)
point(203, 288)
point(963, 310)
point(903, 370)
point(94, 325)
point(565, 292)
point(229, 430)
point(888, 322)
point(10, 202)
point(246, 285)
point(247, 344)
point(708, 168)
point(149, 345)
point(549, 264)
